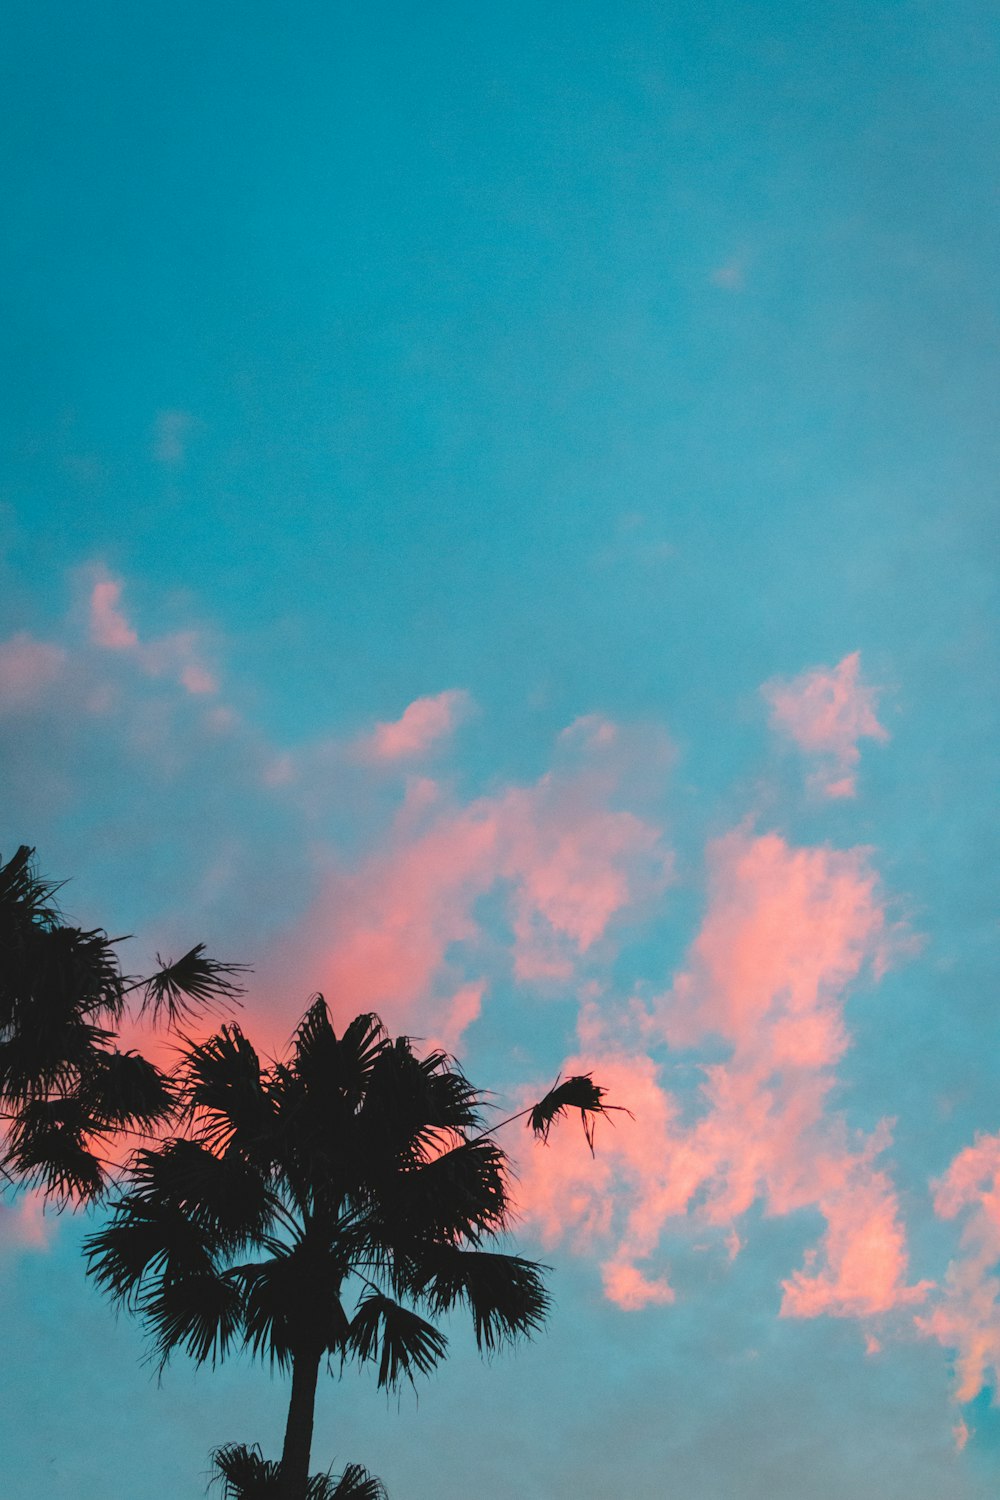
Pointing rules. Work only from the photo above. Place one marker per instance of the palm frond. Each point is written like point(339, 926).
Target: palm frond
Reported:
point(409, 1102)
point(458, 1194)
point(48, 1148)
point(455, 1102)
point(68, 970)
point(200, 1312)
point(505, 1293)
point(362, 1041)
point(190, 986)
point(403, 1342)
point(292, 1297)
point(124, 1089)
point(145, 1244)
point(245, 1474)
point(25, 898)
point(224, 1195)
point(579, 1092)
point(355, 1483)
point(224, 1088)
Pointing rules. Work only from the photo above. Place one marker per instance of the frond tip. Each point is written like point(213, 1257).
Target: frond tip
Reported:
point(579, 1092)
point(191, 985)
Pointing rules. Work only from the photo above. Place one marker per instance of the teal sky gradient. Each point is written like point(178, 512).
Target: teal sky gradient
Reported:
point(587, 360)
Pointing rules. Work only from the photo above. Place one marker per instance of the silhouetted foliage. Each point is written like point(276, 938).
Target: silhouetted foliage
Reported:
point(246, 1475)
point(65, 1089)
point(579, 1092)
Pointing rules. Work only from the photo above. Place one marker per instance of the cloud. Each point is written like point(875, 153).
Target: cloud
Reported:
point(422, 724)
point(825, 711)
point(787, 932)
point(967, 1320)
point(400, 932)
point(177, 655)
point(108, 625)
point(28, 668)
point(24, 1223)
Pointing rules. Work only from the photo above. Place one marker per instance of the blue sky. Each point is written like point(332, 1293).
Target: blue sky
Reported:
point(569, 387)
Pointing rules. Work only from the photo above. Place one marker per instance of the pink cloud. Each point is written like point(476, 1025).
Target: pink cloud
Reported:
point(967, 1320)
point(787, 932)
point(27, 668)
point(863, 1260)
point(457, 1015)
point(108, 625)
point(826, 711)
point(423, 723)
point(176, 655)
point(627, 1286)
point(24, 1224)
point(393, 934)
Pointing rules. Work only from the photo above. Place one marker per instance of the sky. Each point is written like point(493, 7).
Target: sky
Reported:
point(498, 525)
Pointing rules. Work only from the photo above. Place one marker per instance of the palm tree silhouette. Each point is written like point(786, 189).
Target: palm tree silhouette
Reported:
point(311, 1207)
point(66, 1090)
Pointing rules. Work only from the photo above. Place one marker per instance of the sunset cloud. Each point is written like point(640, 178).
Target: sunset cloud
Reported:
point(424, 723)
point(787, 932)
point(967, 1320)
point(24, 1224)
point(175, 655)
point(109, 626)
point(826, 711)
point(28, 667)
point(392, 933)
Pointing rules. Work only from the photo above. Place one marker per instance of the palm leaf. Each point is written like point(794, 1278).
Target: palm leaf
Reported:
point(291, 1298)
point(505, 1293)
point(124, 1089)
point(224, 1087)
point(48, 1148)
point(355, 1483)
point(190, 986)
point(148, 1242)
point(245, 1474)
point(459, 1194)
point(222, 1194)
point(200, 1312)
point(25, 899)
point(579, 1092)
point(403, 1342)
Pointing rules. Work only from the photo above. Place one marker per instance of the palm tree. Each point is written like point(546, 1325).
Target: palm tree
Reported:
point(66, 1091)
point(313, 1210)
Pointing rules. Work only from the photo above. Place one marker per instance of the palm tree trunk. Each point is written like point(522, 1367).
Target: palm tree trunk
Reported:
point(299, 1428)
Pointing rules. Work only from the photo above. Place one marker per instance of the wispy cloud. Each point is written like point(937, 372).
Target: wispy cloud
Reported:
point(787, 932)
point(177, 655)
point(968, 1318)
point(826, 711)
point(28, 669)
point(424, 723)
point(393, 932)
point(108, 625)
